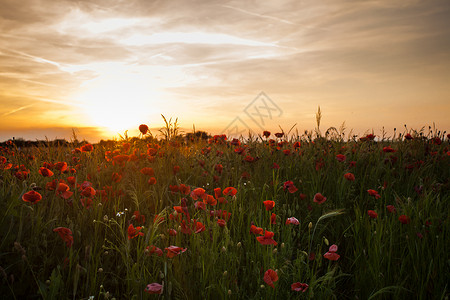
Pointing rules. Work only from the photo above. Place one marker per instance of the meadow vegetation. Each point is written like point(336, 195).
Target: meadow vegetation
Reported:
point(272, 216)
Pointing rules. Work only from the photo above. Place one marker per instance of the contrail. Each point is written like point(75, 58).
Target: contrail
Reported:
point(16, 110)
point(259, 15)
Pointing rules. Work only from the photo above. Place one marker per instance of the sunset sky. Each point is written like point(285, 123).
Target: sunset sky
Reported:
point(101, 67)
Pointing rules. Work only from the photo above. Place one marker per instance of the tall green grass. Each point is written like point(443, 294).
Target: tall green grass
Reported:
point(380, 258)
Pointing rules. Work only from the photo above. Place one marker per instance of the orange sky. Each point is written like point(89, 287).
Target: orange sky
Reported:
point(104, 66)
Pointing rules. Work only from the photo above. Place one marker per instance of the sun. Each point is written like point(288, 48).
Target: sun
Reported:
point(118, 103)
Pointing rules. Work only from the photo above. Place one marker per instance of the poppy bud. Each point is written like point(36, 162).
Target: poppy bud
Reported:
point(326, 241)
point(239, 245)
point(282, 245)
point(225, 273)
point(275, 251)
point(229, 292)
point(100, 270)
point(310, 225)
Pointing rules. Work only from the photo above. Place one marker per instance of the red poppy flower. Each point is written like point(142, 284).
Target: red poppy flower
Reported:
point(210, 200)
point(173, 251)
point(299, 287)
point(63, 191)
point(21, 175)
point(292, 220)
point(71, 180)
point(369, 137)
point(269, 204)
point(61, 166)
point(266, 133)
point(218, 168)
point(120, 159)
point(388, 149)
point(341, 157)
point(176, 169)
point(3, 163)
point(138, 217)
point(319, 198)
point(374, 194)
point(153, 288)
point(229, 191)
point(151, 181)
point(275, 166)
point(65, 234)
point(289, 185)
point(200, 205)
point(250, 159)
point(185, 228)
point(172, 232)
point(221, 222)
point(273, 218)
point(143, 128)
point(134, 232)
point(408, 136)
point(45, 172)
point(256, 230)
point(372, 214)
point(153, 249)
point(199, 227)
point(147, 171)
point(287, 152)
point(178, 209)
point(217, 192)
point(198, 193)
point(437, 141)
point(181, 188)
point(270, 276)
point(88, 192)
point(279, 134)
point(349, 176)
point(391, 208)
point(174, 188)
point(87, 148)
point(404, 219)
point(331, 254)
point(267, 239)
point(32, 197)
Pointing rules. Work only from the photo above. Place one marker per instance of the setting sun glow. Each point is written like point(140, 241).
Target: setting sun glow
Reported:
point(117, 103)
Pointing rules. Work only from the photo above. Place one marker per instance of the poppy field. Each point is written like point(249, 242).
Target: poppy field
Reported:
point(271, 216)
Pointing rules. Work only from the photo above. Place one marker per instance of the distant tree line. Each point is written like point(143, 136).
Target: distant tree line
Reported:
point(20, 142)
